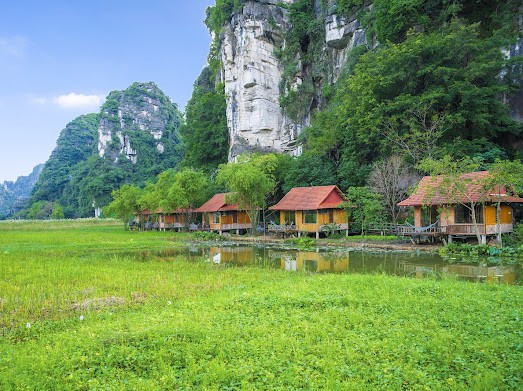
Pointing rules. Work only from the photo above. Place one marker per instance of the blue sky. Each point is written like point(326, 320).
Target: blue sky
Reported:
point(60, 58)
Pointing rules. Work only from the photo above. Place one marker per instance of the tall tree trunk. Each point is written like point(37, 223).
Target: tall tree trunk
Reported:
point(498, 221)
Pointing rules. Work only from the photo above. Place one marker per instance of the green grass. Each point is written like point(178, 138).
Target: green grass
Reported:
point(92, 307)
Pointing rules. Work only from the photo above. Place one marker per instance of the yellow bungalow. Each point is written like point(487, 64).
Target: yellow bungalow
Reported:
point(221, 217)
point(310, 210)
point(435, 215)
point(175, 220)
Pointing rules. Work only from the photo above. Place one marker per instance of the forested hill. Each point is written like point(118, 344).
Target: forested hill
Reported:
point(131, 140)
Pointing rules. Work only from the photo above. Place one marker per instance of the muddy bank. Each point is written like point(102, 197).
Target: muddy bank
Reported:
point(394, 245)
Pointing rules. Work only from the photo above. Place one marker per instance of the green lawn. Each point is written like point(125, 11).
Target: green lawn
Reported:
point(87, 305)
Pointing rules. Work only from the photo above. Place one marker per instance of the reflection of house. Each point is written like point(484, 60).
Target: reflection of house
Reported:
point(311, 210)
point(232, 255)
point(223, 217)
point(436, 213)
point(311, 261)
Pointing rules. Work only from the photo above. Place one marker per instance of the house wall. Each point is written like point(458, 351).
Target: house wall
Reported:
point(447, 216)
point(505, 218)
point(340, 217)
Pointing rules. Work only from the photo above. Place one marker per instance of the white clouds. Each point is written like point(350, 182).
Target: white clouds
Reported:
point(72, 101)
point(13, 46)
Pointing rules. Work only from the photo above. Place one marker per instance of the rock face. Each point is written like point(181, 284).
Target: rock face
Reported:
point(13, 195)
point(140, 108)
point(252, 72)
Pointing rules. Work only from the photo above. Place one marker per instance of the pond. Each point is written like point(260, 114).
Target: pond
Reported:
point(419, 264)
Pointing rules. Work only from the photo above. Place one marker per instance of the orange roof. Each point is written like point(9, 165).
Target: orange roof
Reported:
point(216, 204)
point(160, 210)
point(311, 198)
point(425, 195)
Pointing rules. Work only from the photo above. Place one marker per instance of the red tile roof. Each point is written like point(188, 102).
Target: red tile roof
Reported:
point(216, 204)
point(426, 195)
point(311, 198)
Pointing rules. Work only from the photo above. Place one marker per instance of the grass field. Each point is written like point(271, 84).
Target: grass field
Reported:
point(87, 305)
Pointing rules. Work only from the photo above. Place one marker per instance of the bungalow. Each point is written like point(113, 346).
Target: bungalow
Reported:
point(176, 220)
point(220, 216)
point(310, 210)
point(163, 220)
point(436, 214)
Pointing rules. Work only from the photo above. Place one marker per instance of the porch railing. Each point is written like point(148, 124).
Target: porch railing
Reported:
point(465, 229)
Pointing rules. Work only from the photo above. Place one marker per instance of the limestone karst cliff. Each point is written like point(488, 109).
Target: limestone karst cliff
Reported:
point(131, 140)
point(252, 72)
point(142, 110)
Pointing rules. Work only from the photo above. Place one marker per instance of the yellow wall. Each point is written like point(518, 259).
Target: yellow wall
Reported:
point(506, 214)
point(339, 217)
point(243, 218)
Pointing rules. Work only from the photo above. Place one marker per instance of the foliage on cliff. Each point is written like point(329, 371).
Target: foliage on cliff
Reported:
point(74, 145)
point(305, 67)
point(205, 134)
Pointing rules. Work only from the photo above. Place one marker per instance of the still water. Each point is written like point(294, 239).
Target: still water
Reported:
point(415, 264)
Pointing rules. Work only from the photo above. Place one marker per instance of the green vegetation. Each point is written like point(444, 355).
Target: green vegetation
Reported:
point(478, 254)
point(418, 99)
point(364, 208)
point(87, 305)
point(205, 134)
point(75, 144)
point(302, 57)
point(250, 181)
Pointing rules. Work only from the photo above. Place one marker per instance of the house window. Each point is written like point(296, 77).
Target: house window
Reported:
point(290, 217)
point(309, 217)
point(463, 214)
point(216, 218)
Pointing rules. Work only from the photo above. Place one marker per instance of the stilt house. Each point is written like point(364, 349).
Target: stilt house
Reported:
point(438, 214)
point(310, 210)
point(221, 217)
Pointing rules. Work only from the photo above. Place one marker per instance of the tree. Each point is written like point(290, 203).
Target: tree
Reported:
point(190, 189)
point(392, 178)
point(125, 203)
point(454, 186)
point(309, 170)
point(364, 207)
point(505, 176)
point(250, 184)
point(205, 132)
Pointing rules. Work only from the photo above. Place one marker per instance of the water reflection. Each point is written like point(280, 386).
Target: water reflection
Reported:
point(417, 265)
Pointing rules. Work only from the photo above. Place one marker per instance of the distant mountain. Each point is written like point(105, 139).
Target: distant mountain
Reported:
point(15, 195)
point(131, 140)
